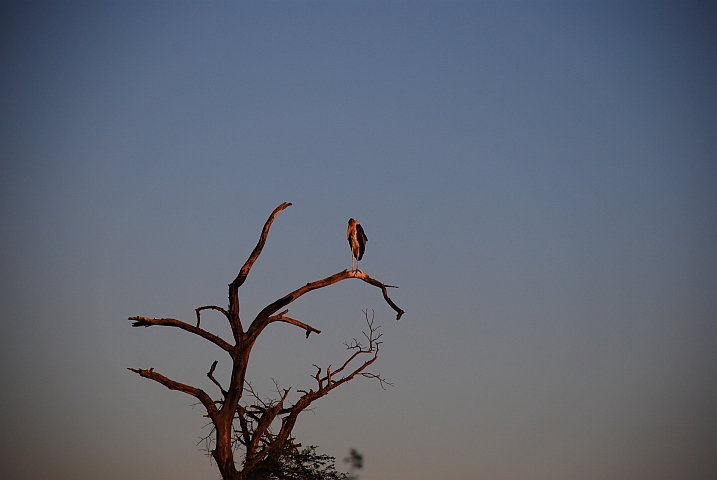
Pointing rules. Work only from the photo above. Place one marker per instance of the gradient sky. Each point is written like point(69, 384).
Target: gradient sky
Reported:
point(539, 179)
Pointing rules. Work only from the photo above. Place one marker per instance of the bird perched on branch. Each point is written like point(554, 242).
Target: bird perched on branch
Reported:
point(357, 241)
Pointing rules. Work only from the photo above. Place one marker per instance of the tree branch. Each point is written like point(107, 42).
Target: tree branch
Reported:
point(210, 307)
point(372, 348)
point(261, 429)
point(382, 286)
point(282, 318)
point(328, 383)
point(244, 272)
point(234, 320)
point(172, 385)
point(171, 322)
point(210, 374)
point(262, 319)
point(245, 433)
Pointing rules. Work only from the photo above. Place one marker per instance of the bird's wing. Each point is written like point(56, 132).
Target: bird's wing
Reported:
point(360, 233)
point(362, 239)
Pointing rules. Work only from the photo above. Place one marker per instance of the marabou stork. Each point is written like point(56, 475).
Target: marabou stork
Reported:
point(357, 241)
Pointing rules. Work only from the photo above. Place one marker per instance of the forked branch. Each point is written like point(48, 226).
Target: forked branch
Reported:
point(329, 382)
point(234, 320)
point(373, 337)
point(256, 416)
point(263, 318)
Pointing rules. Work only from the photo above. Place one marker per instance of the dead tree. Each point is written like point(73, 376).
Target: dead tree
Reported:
point(241, 421)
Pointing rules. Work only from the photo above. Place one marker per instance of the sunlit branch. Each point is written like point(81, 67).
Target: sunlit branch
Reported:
point(234, 321)
point(244, 271)
point(210, 374)
point(173, 385)
point(282, 318)
point(262, 319)
point(171, 322)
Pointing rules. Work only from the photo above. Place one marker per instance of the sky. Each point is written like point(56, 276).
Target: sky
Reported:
point(539, 179)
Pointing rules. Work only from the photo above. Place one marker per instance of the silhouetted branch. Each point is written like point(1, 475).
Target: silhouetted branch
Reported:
point(282, 318)
point(207, 439)
point(234, 320)
point(210, 307)
point(172, 385)
point(262, 319)
point(210, 374)
point(383, 287)
point(171, 322)
point(371, 348)
point(244, 271)
point(261, 431)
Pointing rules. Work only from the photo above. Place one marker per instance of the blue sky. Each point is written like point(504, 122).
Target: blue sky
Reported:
point(538, 178)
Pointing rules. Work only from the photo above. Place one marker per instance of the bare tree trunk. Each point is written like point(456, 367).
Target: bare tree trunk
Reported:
point(238, 423)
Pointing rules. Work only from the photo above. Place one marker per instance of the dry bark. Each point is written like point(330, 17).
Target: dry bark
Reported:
point(241, 425)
